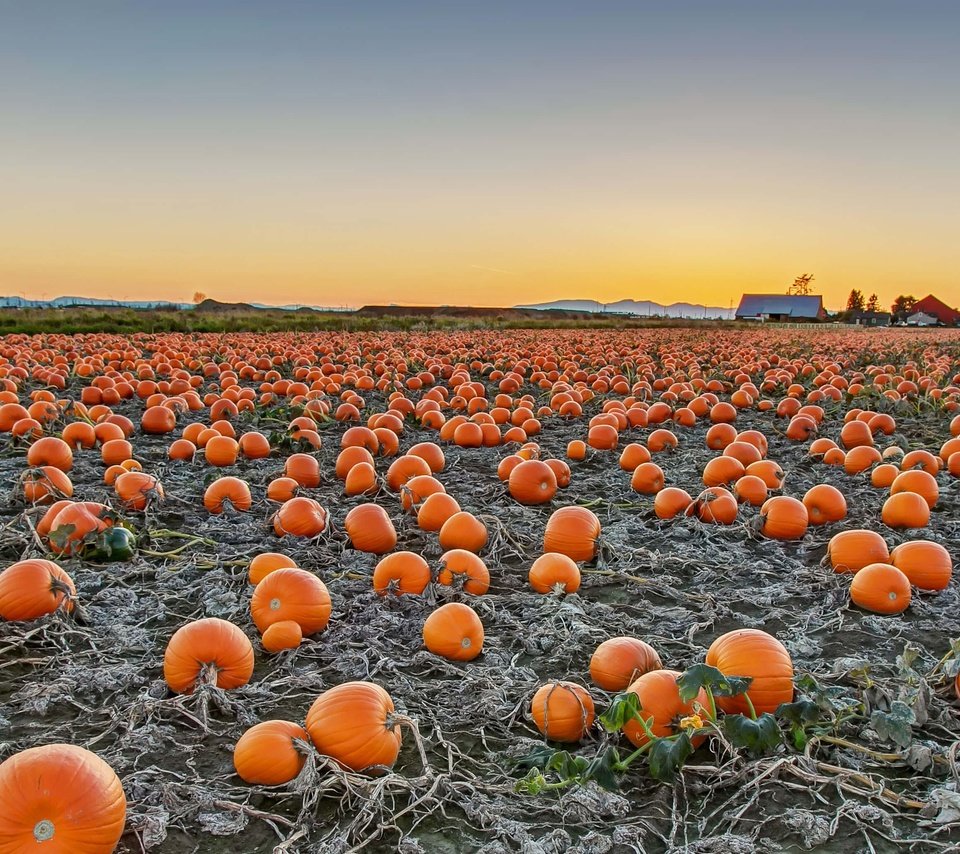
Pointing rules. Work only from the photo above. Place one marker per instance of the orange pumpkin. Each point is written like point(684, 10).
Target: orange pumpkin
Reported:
point(401, 572)
point(851, 551)
point(50, 451)
point(463, 569)
point(304, 469)
point(554, 572)
point(574, 532)
point(760, 656)
point(454, 631)
point(824, 504)
point(291, 594)
point(927, 565)
point(34, 587)
point(783, 518)
point(60, 798)
point(750, 489)
point(715, 505)
point(263, 564)
point(210, 650)
point(370, 529)
point(435, 511)
point(42, 485)
point(671, 502)
point(881, 588)
point(647, 479)
point(300, 517)
point(135, 489)
point(354, 724)
point(227, 492)
point(919, 481)
point(282, 635)
point(562, 711)
point(532, 482)
point(905, 510)
point(282, 489)
point(267, 754)
point(221, 450)
point(617, 662)
point(463, 531)
point(661, 706)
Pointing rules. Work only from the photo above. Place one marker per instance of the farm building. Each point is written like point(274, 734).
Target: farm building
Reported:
point(780, 307)
point(921, 318)
point(938, 309)
point(870, 318)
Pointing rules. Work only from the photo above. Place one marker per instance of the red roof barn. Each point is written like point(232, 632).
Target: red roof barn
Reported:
point(931, 305)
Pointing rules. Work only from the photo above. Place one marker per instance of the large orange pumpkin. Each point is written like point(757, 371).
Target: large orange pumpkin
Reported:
point(618, 662)
point(34, 587)
point(353, 723)
point(562, 711)
point(661, 706)
point(61, 799)
point(454, 631)
point(208, 649)
point(532, 482)
point(370, 529)
point(927, 565)
point(851, 551)
point(574, 532)
point(300, 517)
point(753, 653)
point(881, 588)
point(294, 594)
point(401, 572)
point(267, 755)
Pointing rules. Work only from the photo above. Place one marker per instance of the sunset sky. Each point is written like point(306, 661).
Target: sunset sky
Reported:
point(493, 154)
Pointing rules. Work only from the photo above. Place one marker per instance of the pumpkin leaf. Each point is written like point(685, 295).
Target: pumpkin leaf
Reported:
point(800, 712)
point(895, 725)
point(60, 536)
point(602, 769)
point(667, 755)
point(755, 736)
point(539, 757)
point(623, 708)
point(707, 677)
point(567, 766)
point(531, 784)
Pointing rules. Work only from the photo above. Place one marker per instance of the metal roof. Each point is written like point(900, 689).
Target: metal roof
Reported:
point(757, 305)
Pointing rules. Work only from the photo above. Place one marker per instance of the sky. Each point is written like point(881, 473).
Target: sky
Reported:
point(488, 154)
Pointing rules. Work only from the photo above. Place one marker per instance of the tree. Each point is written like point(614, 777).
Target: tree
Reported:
point(855, 300)
point(903, 305)
point(199, 297)
point(801, 285)
point(873, 304)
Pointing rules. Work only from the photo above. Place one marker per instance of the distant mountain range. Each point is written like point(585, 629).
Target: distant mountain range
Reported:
point(643, 307)
point(94, 302)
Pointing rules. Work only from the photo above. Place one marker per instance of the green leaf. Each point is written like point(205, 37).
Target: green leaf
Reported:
point(704, 676)
point(532, 784)
point(623, 708)
point(755, 736)
point(539, 757)
point(667, 755)
point(568, 767)
point(895, 725)
point(602, 769)
point(801, 712)
point(60, 536)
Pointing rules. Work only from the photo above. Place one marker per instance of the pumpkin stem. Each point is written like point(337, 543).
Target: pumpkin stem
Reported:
point(43, 830)
point(396, 718)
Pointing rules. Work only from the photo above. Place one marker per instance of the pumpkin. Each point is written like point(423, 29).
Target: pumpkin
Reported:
point(353, 723)
point(884, 475)
point(254, 445)
point(182, 450)
point(577, 450)
point(824, 504)
point(431, 452)
point(454, 631)
point(50, 451)
point(466, 571)
point(267, 754)
point(905, 510)
point(401, 572)
point(43, 525)
point(920, 459)
point(647, 479)
point(300, 517)
point(633, 455)
point(304, 469)
point(42, 485)
point(370, 529)
point(227, 492)
point(661, 706)
point(927, 565)
point(32, 588)
point(463, 531)
point(349, 457)
point(415, 491)
point(720, 435)
point(561, 471)
point(157, 420)
point(745, 452)
point(851, 551)
point(768, 471)
point(282, 489)
point(671, 502)
point(553, 572)
point(760, 656)
point(221, 450)
point(532, 482)
point(435, 510)
point(603, 437)
point(294, 594)
point(404, 469)
point(574, 532)
point(617, 662)
point(207, 650)
point(285, 634)
point(361, 480)
point(76, 526)
point(135, 489)
point(363, 437)
point(715, 505)
point(79, 434)
point(263, 564)
point(750, 489)
point(722, 470)
point(855, 434)
point(783, 518)
point(919, 481)
point(881, 588)
point(860, 459)
point(61, 799)
point(562, 711)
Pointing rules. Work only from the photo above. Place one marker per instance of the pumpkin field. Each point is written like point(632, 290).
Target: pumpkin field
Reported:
point(579, 590)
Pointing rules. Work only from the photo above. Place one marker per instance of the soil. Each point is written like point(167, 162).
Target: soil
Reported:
point(98, 681)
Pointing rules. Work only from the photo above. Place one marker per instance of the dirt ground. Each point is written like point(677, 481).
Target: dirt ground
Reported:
point(677, 585)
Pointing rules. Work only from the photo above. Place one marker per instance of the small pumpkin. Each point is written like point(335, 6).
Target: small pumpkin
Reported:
point(661, 706)
point(267, 754)
point(463, 569)
point(905, 510)
point(227, 492)
point(285, 634)
point(670, 502)
point(618, 662)
point(825, 503)
point(304, 469)
point(263, 564)
point(435, 511)
point(562, 711)
point(454, 631)
point(532, 482)
point(554, 572)
point(136, 488)
point(45, 484)
point(33, 588)
point(881, 588)
point(370, 529)
point(300, 517)
point(401, 572)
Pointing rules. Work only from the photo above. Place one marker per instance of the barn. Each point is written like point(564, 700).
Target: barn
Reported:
point(936, 308)
point(780, 307)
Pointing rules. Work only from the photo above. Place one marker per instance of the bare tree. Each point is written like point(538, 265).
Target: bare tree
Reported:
point(801, 285)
